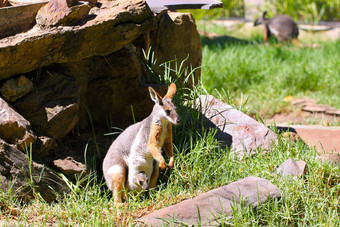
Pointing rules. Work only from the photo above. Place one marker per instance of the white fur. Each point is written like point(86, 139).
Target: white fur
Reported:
point(116, 169)
point(140, 159)
point(273, 30)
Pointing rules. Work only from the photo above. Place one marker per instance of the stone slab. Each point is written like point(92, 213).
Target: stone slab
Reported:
point(16, 19)
point(244, 132)
point(157, 6)
point(325, 139)
point(205, 209)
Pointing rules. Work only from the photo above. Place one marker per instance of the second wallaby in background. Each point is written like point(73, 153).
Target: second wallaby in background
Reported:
point(283, 27)
point(137, 151)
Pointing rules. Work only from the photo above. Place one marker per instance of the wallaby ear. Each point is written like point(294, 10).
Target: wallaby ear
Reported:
point(264, 14)
point(154, 95)
point(171, 91)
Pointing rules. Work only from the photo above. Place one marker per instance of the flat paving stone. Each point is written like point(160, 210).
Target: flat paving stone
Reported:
point(326, 139)
point(207, 208)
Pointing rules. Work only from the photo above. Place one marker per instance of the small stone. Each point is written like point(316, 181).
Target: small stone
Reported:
point(46, 146)
point(330, 158)
point(70, 167)
point(14, 89)
point(14, 128)
point(292, 168)
point(58, 12)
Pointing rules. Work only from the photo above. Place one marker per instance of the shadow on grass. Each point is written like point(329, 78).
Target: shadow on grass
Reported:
point(212, 39)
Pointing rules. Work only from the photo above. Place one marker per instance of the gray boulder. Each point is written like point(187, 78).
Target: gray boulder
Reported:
point(235, 129)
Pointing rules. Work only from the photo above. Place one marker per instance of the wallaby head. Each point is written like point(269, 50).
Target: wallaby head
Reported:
point(142, 180)
point(164, 108)
point(261, 19)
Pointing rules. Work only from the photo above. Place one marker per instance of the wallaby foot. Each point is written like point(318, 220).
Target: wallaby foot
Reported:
point(118, 204)
point(118, 179)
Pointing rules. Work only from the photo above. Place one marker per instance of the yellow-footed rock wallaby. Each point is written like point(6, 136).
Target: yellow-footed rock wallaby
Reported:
point(134, 158)
point(283, 27)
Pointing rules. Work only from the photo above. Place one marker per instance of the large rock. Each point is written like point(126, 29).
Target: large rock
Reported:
point(177, 40)
point(205, 209)
point(110, 27)
point(25, 176)
point(235, 128)
point(14, 128)
point(52, 108)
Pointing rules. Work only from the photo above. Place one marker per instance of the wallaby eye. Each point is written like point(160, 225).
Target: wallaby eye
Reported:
point(167, 111)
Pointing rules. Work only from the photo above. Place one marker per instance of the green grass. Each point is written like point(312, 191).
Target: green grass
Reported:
point(266, 74)
point(201, 165)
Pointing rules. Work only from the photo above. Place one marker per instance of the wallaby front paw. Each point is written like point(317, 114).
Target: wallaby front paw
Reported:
point(171, 163)
point(162, 166)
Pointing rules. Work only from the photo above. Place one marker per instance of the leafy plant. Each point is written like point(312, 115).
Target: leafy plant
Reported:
point(307, 10)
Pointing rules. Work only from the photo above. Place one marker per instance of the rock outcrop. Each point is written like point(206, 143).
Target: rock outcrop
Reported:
point(81, 68)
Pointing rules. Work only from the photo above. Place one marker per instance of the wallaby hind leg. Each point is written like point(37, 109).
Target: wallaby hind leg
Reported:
point(154, 175)
point(118, 175)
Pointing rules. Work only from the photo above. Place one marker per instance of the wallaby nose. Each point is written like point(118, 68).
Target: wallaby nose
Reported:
point(178, 121)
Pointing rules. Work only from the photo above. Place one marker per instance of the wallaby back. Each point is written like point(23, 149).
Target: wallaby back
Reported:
point(138, 148)
point(282, 27)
